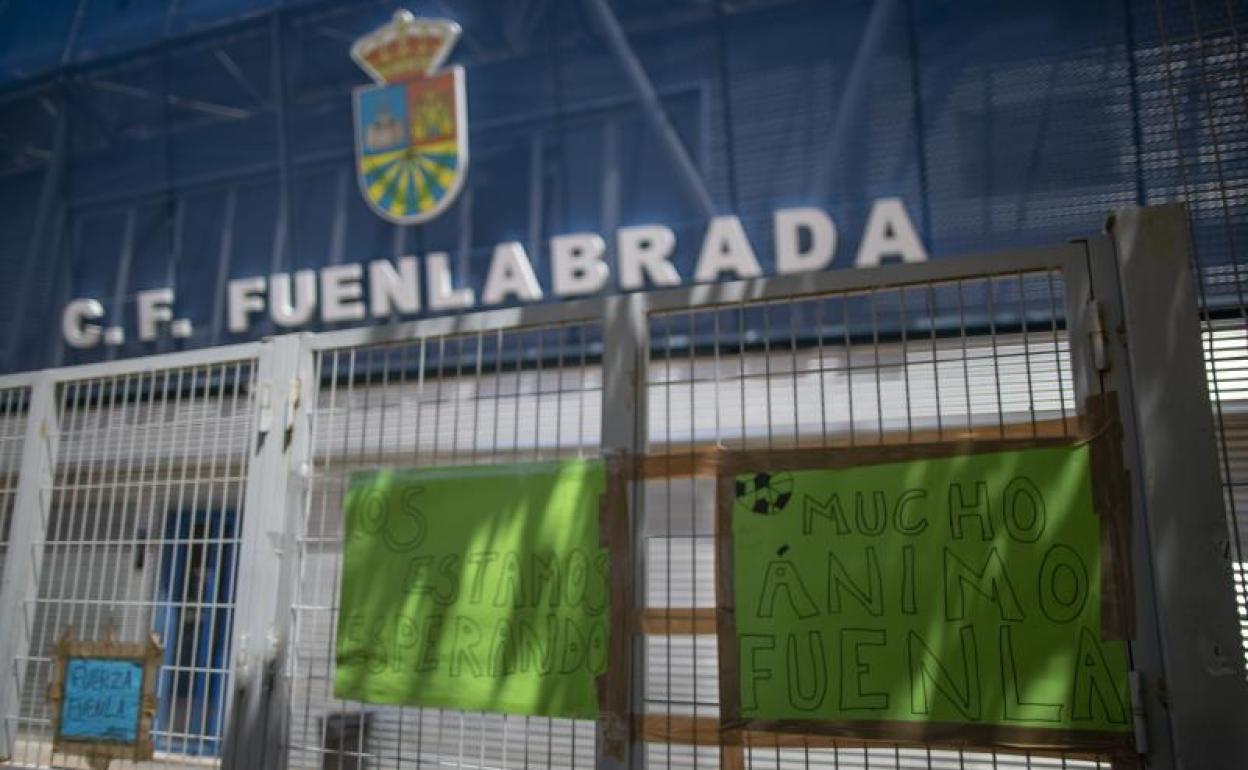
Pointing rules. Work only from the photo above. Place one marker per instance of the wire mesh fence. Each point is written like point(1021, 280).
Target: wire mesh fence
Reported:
point(488, 397)
point(984, 357)
point(151, 466)
point(147, 501)
point(14, 402)
point(141, 538)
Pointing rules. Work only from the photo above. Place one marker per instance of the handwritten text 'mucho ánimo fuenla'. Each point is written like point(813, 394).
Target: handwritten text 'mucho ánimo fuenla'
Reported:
point(948, 593)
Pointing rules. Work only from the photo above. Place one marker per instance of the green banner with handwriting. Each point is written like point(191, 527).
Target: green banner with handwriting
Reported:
point(478, 588)
point(958, 590)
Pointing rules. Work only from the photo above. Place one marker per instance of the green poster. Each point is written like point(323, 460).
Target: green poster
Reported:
point(478, 588)
point(960, 590)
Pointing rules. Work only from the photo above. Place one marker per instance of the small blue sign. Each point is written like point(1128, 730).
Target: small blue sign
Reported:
point(102, 700)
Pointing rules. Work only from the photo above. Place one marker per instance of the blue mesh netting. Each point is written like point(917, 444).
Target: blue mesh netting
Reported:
point(147, 144)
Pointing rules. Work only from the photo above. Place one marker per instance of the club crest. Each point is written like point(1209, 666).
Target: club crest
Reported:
point(411, 128)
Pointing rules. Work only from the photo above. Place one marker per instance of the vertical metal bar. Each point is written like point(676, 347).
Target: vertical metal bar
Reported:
point(849, 364)
point(797, 427)
point(180, 539)
point(456, 385)
point(584, 386)
point(495, 452)
point(370, 369)
point(495, 448)
point(741, 369)
point(930, 296)
point(668, 376)
point(438, 408)
point(875, 369)
point(322, 474)
point(823, 393)
point(625, 360)
point(174, 418)
point(206, 594)
point(1022, 320)
point(765, 308)
point(185, 538)
point(134, 393)
point(693, 518)
point(232, 490)
point(966, 364)
point(476, 397)
point(1057, 347)
point(905, 360)
point(996, 354)
point(310, 540)
point(24, 561)
point(274, 495)
point(83, 514)
point(515, 416)
point(537, 403)
point(558, 332)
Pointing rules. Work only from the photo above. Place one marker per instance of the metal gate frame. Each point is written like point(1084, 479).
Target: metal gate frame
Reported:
point(1132, 326)
point(33, 503)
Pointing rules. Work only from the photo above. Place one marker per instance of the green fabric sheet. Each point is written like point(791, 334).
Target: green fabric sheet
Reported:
point(961, 590)
point(476, 588)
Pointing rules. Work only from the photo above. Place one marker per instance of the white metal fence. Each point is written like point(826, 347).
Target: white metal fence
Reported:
point(796, 385)
point(13, 404)
point(138, 534)
point(157, 473)
point(528, 393)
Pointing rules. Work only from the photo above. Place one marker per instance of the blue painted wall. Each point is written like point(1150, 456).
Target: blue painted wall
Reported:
point(147, 144)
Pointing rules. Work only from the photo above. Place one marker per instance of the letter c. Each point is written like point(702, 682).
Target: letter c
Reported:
point(78, 333)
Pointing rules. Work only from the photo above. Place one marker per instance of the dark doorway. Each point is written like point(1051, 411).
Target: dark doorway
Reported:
point(193, 618)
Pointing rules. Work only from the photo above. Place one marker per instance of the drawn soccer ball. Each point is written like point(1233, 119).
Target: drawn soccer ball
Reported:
point(765, 493)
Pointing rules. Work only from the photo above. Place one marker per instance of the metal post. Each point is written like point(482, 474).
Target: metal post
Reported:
point(625, 356)
point(25, 552)
point(1188, 647)
point(1082, 327)
point(276, 485)
point(1097, 344)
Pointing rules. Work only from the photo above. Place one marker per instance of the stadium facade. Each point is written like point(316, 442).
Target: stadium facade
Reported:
point(253, 247)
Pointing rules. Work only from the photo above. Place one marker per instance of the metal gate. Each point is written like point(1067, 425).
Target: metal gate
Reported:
point(198, 495)
point(132, 480)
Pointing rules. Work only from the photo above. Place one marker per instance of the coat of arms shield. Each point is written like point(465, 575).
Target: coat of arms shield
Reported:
point(411, 128)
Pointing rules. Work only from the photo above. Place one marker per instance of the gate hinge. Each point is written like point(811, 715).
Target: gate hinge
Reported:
point(1139, 715)
point(292, 409)
point(1098, 338)
point(292, 403)
point(265, 423)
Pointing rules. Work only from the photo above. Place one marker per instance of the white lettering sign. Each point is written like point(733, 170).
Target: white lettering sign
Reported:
point(805, 240)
